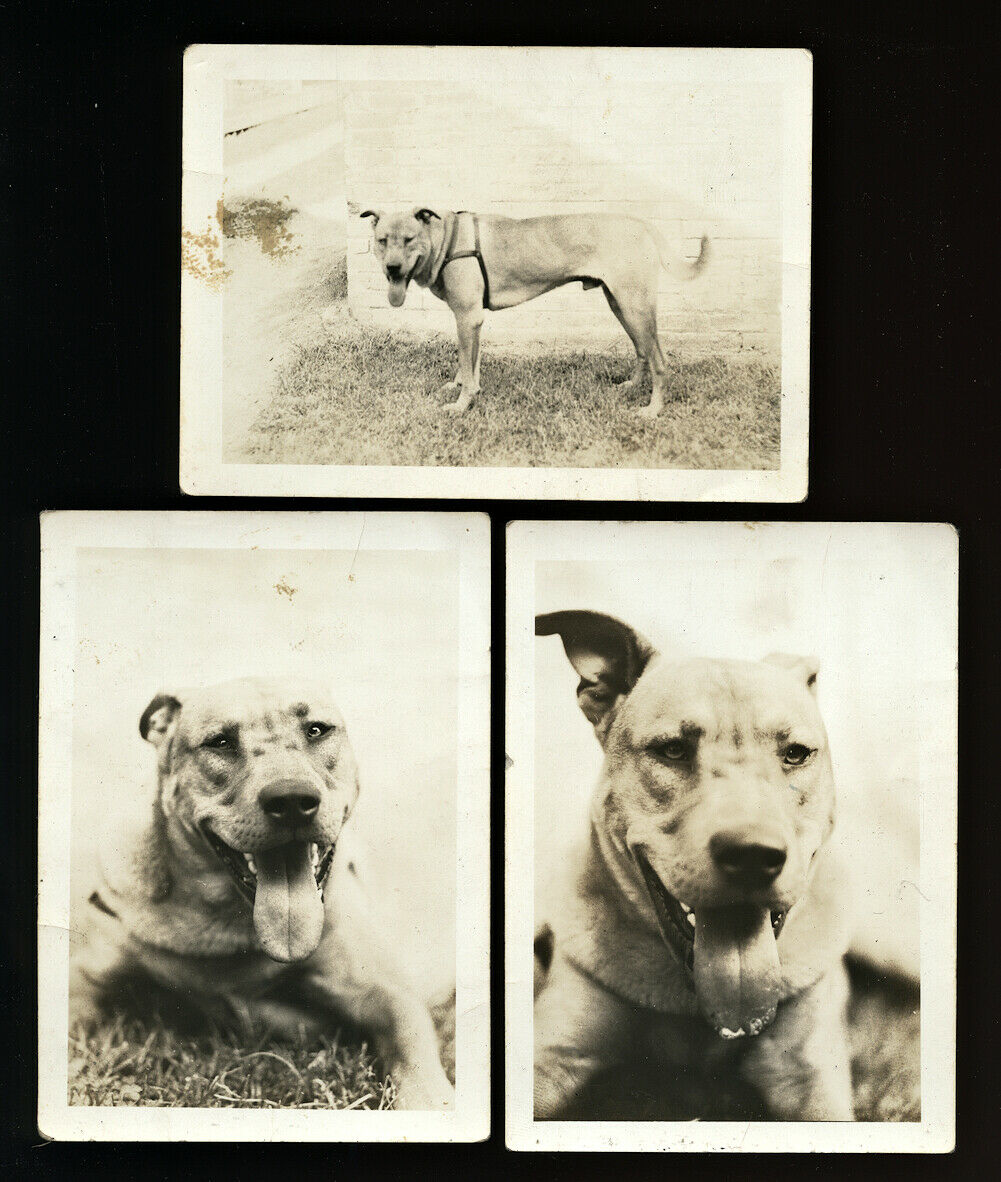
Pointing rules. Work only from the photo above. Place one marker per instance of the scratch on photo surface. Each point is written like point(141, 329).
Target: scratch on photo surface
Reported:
point(361, 534)
point(906, 882)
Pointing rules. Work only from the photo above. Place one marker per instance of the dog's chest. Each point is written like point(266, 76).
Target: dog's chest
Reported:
point(687, 1041)
point(246, 974)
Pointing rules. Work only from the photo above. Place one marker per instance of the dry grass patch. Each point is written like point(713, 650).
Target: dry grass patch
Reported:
point(367, 396)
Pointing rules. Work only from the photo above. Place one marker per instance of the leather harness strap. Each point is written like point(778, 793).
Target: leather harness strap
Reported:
point(475, 253)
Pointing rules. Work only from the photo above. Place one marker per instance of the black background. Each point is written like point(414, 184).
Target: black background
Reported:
point(903, 417)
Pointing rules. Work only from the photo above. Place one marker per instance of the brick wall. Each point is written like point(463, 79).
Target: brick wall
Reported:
point(692, 160)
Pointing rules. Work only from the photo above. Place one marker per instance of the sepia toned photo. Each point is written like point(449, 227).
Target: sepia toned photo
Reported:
point(264, 818)
point(731, 802)
point(494, 272)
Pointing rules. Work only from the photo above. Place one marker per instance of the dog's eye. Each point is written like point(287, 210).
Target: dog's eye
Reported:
point(674, 750)
point(219, 742)
point(381, 241)
point(407, 241)
point(795, 755)
point(316, 730)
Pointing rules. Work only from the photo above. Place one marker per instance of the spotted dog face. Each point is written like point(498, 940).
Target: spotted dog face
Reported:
point(717, 787)
point(402, 244)
point(260, 776)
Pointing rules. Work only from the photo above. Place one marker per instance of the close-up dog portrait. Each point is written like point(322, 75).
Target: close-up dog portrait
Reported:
point(562, 263)
point(736, 736)
point(264, 749)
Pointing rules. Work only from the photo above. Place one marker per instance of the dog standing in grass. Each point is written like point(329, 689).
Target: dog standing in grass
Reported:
point(240, 887)
point(474, 262)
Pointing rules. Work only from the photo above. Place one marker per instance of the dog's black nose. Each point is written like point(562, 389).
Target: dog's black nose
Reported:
point(751, 858)
point(290, 801)
point(394, 270)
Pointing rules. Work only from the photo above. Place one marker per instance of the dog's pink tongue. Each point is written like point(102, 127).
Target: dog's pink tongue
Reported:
point(737, 972)
point(288, 907)
point(397, 292)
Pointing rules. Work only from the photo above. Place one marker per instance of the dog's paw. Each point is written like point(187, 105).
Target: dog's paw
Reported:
point(457, 407)
point(446, 390)
point(417, 1094)
point(649, 412)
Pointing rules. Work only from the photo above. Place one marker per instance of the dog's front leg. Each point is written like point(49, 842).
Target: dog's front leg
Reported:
point(580, 1029)
point(364, 986)
point(801, 1064)
point(468, 322)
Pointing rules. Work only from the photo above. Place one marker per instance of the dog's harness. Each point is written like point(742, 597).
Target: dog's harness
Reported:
point(475, 253)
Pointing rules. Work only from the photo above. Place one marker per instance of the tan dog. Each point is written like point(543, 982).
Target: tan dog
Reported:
point(240, 889)
point(474, 262)
point(705, 919)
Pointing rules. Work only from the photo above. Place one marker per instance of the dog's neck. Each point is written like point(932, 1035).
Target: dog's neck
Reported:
point(442, 236)
point(612, 859)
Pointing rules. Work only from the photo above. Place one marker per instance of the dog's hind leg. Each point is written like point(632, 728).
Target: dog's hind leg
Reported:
point(636, 309)
point(580, 1029)
point(644, 320)
point(635, 379)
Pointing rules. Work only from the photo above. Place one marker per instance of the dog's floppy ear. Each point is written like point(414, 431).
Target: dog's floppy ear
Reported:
point(371, 213)
point(157, 717)
point(425, 215)
point(136, 857)
point(805, 669)
point(608, 655)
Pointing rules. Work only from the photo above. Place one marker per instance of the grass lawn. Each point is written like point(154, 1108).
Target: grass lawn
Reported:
point(128, 1061)
point(138, 1057)
point(362, 395)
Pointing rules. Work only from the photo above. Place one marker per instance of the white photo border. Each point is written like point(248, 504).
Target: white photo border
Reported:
point(467, 534)
point(529, 542)
point(207, 68)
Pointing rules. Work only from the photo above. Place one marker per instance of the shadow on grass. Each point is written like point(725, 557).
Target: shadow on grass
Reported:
point(368, 396)
point(157, 1051)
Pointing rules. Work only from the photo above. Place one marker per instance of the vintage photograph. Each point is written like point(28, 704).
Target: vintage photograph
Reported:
point(255, 728)
point(731, 838)
point(460, 271)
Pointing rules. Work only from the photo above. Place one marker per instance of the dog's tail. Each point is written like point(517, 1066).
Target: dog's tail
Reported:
point(680, 268)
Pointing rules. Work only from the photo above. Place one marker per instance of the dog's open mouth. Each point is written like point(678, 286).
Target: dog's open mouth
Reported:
point(398, 286)
point(284, 885)
point(730, 953)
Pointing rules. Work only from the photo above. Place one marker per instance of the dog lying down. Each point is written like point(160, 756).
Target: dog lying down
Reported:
point(240, 888)
point(705, 918)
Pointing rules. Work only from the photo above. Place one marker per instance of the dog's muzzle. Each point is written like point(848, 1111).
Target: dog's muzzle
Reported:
point(284, 884)
point(399, 281)
point(730, 955)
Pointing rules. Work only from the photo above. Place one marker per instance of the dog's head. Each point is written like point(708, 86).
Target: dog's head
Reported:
point(260, 778)
point(403, 244)
point(717, 787)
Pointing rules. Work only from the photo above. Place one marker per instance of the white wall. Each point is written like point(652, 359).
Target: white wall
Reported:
point(694, 159)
